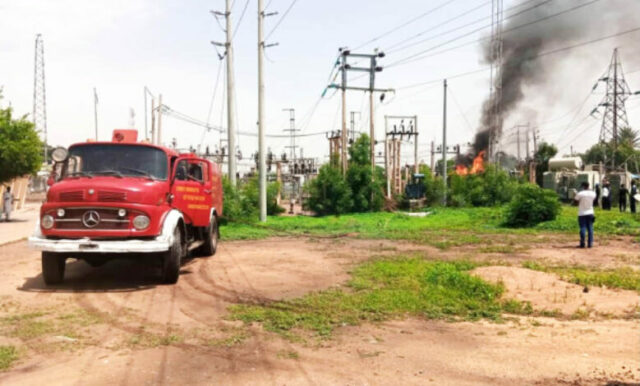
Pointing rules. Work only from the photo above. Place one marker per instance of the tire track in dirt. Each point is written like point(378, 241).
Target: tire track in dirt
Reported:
point(268, 365)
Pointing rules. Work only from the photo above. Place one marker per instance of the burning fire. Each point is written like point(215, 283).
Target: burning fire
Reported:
point(476, 167)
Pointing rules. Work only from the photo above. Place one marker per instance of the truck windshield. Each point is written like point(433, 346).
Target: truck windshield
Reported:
point(117, 160)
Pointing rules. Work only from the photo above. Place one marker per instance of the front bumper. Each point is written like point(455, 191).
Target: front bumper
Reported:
point(86, 245)
point(160, 243)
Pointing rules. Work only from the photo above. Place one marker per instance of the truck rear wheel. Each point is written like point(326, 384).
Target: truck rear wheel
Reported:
point(211, 239)
point(172, 259)
point(52, 268)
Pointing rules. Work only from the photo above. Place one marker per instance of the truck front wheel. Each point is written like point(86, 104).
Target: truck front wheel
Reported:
point(52, 268)
point(172, 259)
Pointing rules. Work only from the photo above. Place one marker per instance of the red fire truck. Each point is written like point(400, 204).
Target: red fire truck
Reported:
point(127, 199)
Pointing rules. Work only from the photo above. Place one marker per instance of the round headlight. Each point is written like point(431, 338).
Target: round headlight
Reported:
point(122, 212)
point(59, 154)
point(60, 212)
point(47, 221)
point(141, 222)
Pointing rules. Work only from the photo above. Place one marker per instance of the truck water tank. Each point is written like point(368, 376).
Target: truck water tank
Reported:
point(570, 163)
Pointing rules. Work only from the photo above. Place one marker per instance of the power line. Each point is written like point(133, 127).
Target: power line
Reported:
point(394, 29)
point(562, 49)
point(460, 109)
point(419, 56)
point(467, 25)
point(391, 48)
point(281, 19)
point(246, 4)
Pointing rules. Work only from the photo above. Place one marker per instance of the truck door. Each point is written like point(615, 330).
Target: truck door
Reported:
point(191, 190)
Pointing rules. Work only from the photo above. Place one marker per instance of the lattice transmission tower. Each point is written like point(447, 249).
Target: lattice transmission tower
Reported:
point(39, 93)
point(495, 128)
point(615, 113)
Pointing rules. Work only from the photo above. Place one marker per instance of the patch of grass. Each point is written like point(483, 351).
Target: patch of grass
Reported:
point(8, 355)
point(580, 314)
point(624, 278)
point(229, 341)
point(443, 227)
point(150, 340)
point(387, 288)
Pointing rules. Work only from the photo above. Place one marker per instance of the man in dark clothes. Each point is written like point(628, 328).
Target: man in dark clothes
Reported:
point(597, 190)
point(606, 196)
point(632, 199)
point(622, 203)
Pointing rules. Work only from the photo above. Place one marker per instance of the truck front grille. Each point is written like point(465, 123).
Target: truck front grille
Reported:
point(106, 196)
point(73, 196)
point(92, 219)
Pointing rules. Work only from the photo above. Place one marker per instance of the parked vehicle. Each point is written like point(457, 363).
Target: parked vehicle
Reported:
point(128, 199)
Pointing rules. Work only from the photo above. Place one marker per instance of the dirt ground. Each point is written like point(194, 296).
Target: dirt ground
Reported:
point(115, 325)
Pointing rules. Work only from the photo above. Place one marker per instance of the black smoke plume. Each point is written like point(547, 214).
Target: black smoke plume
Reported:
point(534, 28)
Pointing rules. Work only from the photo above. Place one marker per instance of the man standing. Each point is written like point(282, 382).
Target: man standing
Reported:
point(586, 215)
point(597, 189)
point(632, 197)
point(622, 202)
point(7, 202)
point(606, 196)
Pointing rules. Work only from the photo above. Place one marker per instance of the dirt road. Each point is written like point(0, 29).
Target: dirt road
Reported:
point(115, 325)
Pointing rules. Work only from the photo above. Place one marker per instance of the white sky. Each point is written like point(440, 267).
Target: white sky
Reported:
point(119, 46)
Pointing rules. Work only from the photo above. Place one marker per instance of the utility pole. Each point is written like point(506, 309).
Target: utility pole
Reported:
point(444, 143)
point(433, 158)
point(159, 128)
point(372, 69)
point(231, 108)
point(153, 121)
point(353, 124)
point(518, 140)
point(535, 141)
point(292, 133)
point(526, 143)
point(146, 129)
point(95, 111)
point(261, 153)
point(39, 93)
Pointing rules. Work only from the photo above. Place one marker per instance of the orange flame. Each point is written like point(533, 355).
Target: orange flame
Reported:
point(462, 170)
point(478, 164)
point(476, 167)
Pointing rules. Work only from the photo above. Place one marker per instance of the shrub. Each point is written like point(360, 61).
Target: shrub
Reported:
point(492, 188)
point(433, 186)
point(329, 193)
point(242, 203)
point(531, 205)
point(367, 195)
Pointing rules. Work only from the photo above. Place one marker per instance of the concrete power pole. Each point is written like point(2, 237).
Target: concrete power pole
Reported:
point(39, 93)
point(444, 143)
point(95, 111)
point(231, 98)
point(261, 152)
point(159, 128)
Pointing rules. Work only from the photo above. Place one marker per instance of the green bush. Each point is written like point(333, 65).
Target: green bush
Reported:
point(329, 193)
point(531, 205)
point(492, 188)
point(367, 195)
point(242, 203)
point(433, 186)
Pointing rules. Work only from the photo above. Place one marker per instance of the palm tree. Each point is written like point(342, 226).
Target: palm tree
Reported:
point(628, 136)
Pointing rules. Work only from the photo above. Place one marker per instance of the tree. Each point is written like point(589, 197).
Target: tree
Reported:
point(531, 205)
point(329, 193)
point(545, 152)
point(20, 146)
point(367, 195)
point(628, 137)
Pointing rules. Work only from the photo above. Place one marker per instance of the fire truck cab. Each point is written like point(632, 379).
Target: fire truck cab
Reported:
point(127, 199)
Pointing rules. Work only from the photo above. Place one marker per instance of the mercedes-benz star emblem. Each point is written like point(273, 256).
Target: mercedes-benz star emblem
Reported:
point(90, 218)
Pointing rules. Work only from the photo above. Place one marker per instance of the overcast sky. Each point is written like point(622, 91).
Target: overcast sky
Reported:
point(119, 46)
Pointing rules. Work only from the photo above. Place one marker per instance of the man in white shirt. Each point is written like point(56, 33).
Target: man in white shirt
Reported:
point(586, 215)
